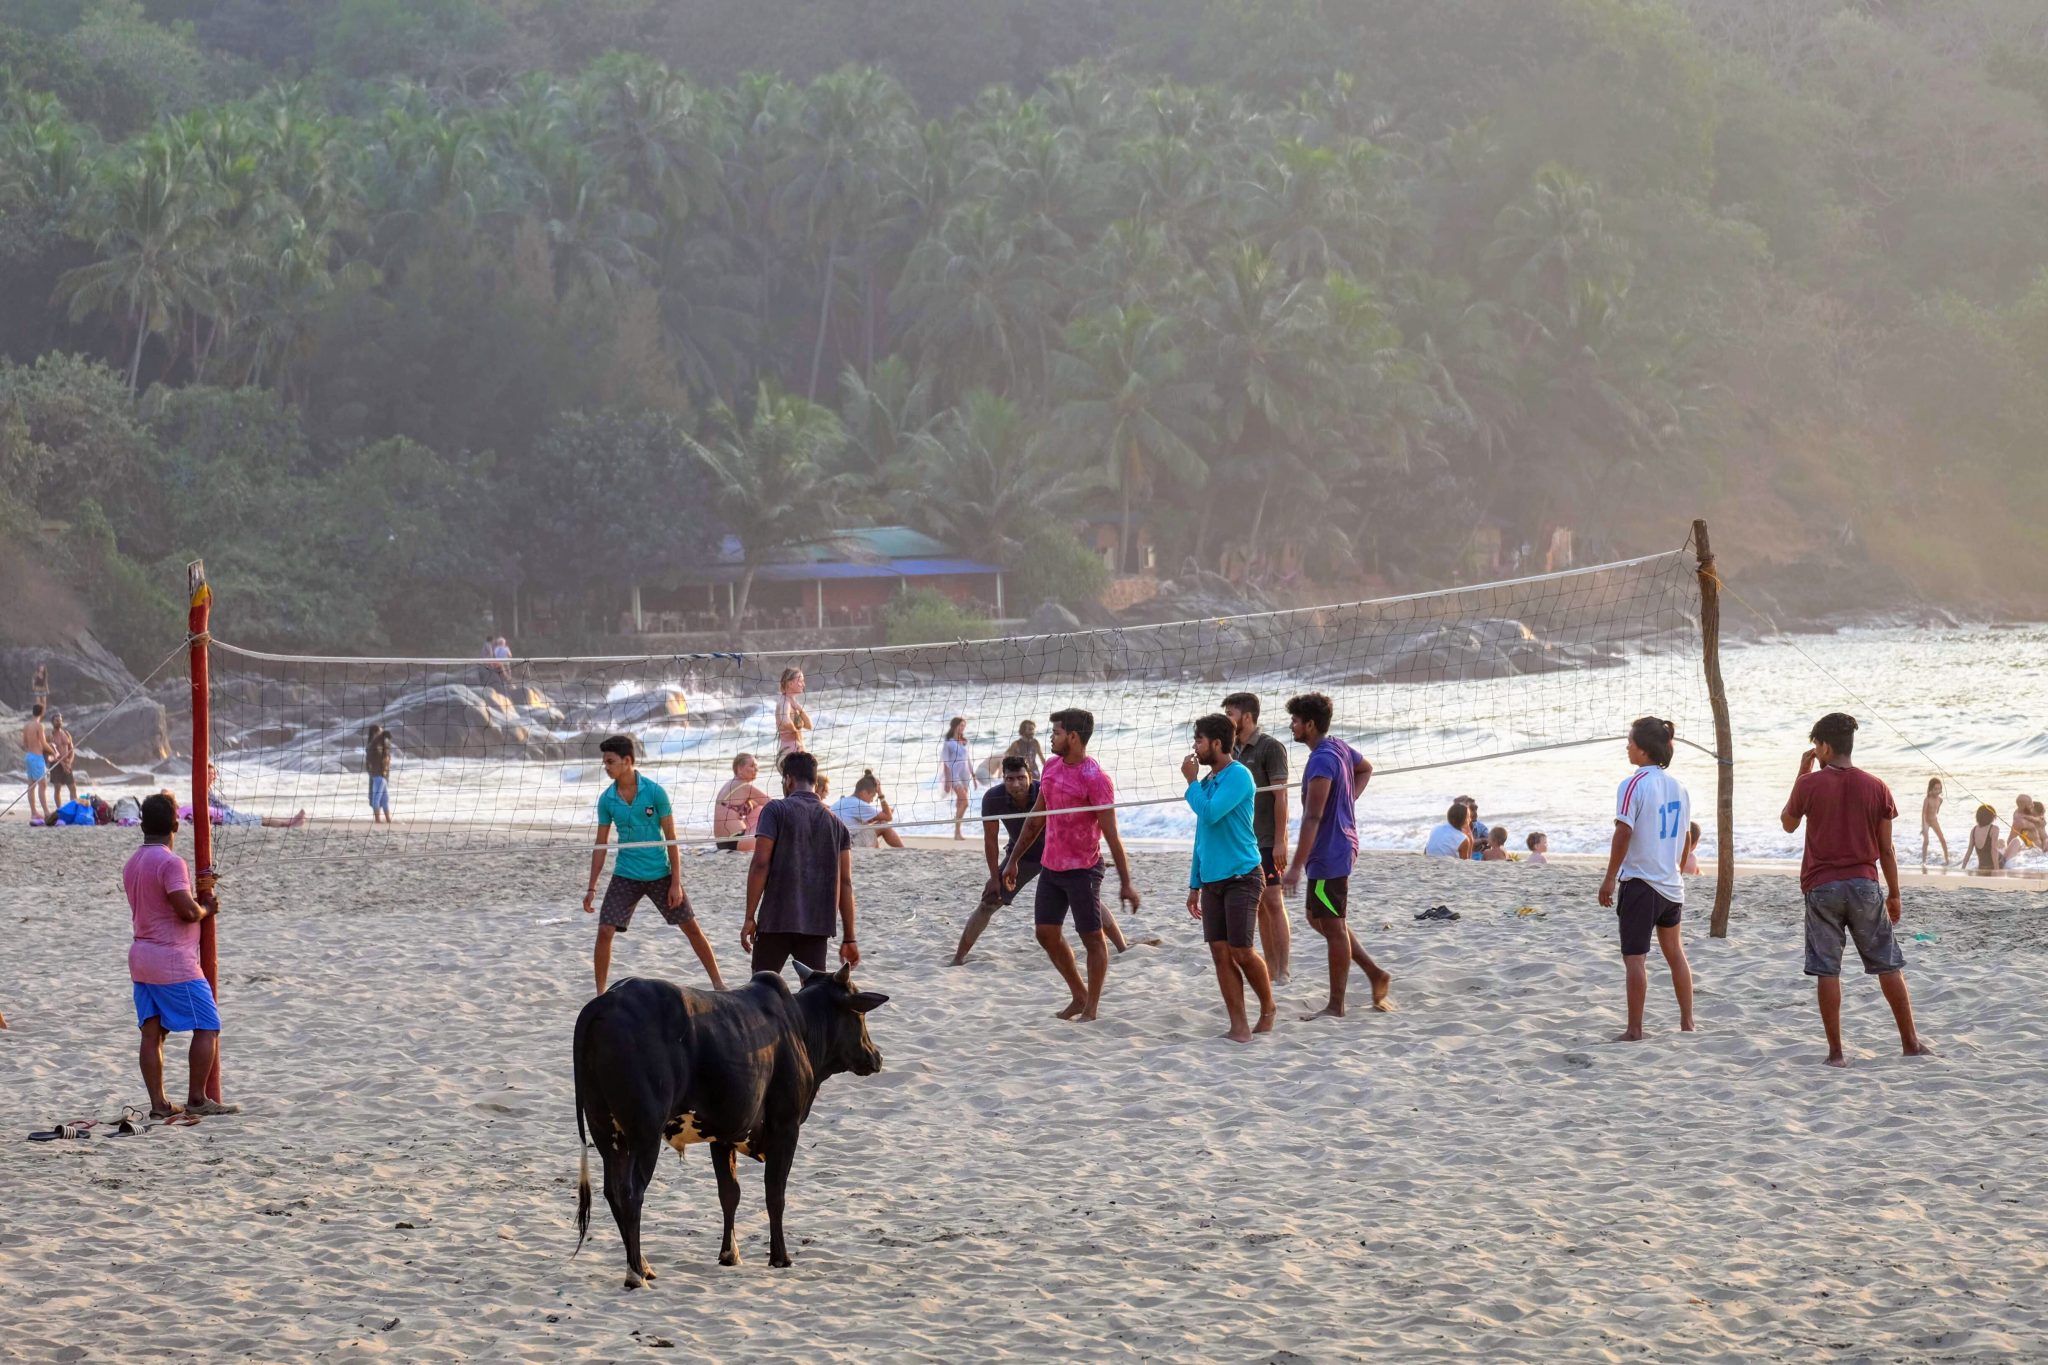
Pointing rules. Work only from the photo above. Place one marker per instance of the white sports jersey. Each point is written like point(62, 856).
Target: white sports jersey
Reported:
point(1657, 810)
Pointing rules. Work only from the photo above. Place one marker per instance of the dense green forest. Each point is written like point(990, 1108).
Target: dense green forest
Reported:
point(391, 308)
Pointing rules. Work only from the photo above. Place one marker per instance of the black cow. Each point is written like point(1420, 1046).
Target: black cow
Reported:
point(658, 1062)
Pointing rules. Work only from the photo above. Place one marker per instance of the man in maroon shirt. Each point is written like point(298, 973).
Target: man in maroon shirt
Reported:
point(1848, 815)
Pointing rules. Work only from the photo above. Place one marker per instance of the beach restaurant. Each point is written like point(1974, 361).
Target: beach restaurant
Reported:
point(841, 581)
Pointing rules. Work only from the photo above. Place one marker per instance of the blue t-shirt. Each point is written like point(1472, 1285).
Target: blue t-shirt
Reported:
point(1225, 843)
point(1479, 832)
point(1336, 845)
point(637, 823)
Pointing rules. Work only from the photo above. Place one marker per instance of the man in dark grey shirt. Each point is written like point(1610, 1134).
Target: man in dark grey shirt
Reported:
point(1266, 757)
point(801, 877)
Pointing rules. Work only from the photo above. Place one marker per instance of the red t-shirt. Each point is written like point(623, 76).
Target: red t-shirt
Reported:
point(1844, 808)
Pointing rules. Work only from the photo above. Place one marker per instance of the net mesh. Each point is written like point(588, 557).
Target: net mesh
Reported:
point(489, 753)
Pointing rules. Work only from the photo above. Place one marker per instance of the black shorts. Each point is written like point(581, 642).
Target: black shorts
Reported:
point(771, 951)
point(1329, 896)
point(1079, 890)
point(1269, 871)
point(999, 895)
point(1230, 909)
point(1641, 909)
point(624, 894)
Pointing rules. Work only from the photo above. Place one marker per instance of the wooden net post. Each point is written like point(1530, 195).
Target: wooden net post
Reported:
point(202, 762)
point(1724, 737)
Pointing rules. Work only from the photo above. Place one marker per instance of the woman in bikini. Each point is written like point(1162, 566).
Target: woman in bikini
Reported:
point(791, 720)
point(1930, 822)
point(736, 810)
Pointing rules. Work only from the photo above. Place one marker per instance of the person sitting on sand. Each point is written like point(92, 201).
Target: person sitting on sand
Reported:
point(1226, 876)
point(1453, 838)
point(866, 808)
point(171, 992)
point(1326, 847)
point(1496, 845)
point(737, 807)
point(1004, 807)
point(1651, 812)
point(1984, 842)
point(1477, 828)
point(649, 865)
point(1848, 815)
point(221, 813)
point(1539, 850)
point(1930, 822)
point(1689, 865)
point(1071, 881)
point(801, 877)
point(792, 722)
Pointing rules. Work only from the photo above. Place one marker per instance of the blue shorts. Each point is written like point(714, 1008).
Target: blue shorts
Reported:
point(380, 793)
point(38, 767)
point(183, 1007)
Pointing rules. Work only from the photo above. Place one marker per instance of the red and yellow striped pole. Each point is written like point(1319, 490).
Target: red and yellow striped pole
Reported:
point(202, 814)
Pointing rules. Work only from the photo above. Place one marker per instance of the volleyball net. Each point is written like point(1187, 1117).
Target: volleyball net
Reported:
point(490, 753)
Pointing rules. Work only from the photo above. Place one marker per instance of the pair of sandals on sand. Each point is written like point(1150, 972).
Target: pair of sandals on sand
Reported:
point(134, 1121)
point(1439, 912)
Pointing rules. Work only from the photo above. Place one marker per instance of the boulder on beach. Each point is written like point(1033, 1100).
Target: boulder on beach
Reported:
point(82, 672)
point(134, 734)
point(457, 721)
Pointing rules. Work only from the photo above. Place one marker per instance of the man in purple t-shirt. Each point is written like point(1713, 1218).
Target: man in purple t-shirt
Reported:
point(1327, 847)
point(171, 993)
point(1848, 815)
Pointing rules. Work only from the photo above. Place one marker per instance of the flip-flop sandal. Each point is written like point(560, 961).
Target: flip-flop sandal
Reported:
point(62, 1130)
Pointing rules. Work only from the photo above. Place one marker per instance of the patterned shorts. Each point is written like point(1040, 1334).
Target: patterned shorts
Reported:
point(622, 896)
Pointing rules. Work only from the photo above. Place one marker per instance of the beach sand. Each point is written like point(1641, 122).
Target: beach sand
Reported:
point(1480, 1175)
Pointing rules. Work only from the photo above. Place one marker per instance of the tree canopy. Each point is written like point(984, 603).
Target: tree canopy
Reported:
point(1359, 274)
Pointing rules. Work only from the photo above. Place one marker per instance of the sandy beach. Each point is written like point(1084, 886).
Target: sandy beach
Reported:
point(1479, 1175)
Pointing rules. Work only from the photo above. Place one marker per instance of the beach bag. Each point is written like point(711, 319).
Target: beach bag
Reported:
point(102, 813)
point(128, 810)
point(75, 813)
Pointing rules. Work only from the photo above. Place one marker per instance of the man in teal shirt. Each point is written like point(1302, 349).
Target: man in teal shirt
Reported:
point(650, 861)
point(1226, 876)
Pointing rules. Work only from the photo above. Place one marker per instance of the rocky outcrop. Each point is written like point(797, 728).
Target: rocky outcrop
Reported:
point(83, 672)
point(458, 721)
point(134, 734)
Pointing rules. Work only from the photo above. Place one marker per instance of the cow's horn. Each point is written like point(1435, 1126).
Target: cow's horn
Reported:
point(805, 972)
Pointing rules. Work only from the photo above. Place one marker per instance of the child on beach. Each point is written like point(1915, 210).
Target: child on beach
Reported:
point(1496, 845)
point(1539, 850)
point(1652, 811)
point(1689, 865)
point(1930, 822)
point(1984, 845)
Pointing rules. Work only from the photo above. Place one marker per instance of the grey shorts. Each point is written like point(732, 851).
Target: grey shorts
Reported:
point(1230, 909)
point(1852, 909)
point(624, 894)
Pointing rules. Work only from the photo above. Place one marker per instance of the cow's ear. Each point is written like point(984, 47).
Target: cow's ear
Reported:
point(863, 1001)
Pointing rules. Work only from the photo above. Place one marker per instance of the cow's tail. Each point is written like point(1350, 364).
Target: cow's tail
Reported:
point(582, 1137)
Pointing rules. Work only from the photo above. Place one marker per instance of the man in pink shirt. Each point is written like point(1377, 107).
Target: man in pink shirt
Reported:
point(171, 994)
point(1072, 861)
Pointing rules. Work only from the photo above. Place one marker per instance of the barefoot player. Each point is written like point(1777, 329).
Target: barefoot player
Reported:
point(1328, 846)
point(1004, 807)
point(1652, 815)
point(1072, 860)
point(1266, 758)
point(1224, 876)
point(649, 869)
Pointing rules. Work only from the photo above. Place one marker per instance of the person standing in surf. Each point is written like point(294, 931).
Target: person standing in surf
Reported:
point(1652, 819)
point(792, 722)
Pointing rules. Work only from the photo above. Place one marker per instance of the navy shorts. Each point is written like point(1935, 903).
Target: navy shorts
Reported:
point(624, 894)
point(1079, 890)
point(1269, 871)
point(995, 894)
point(1850, 909)
point(1641, 910)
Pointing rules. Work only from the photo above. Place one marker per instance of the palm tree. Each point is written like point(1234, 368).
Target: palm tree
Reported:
point(151, 230)
point(980, 303)
point(1126, 408)
point(981, 483)
point(772, 478)
point(883, 415)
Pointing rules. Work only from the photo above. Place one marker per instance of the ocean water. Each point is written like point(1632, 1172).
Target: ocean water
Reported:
point(1974, 699)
